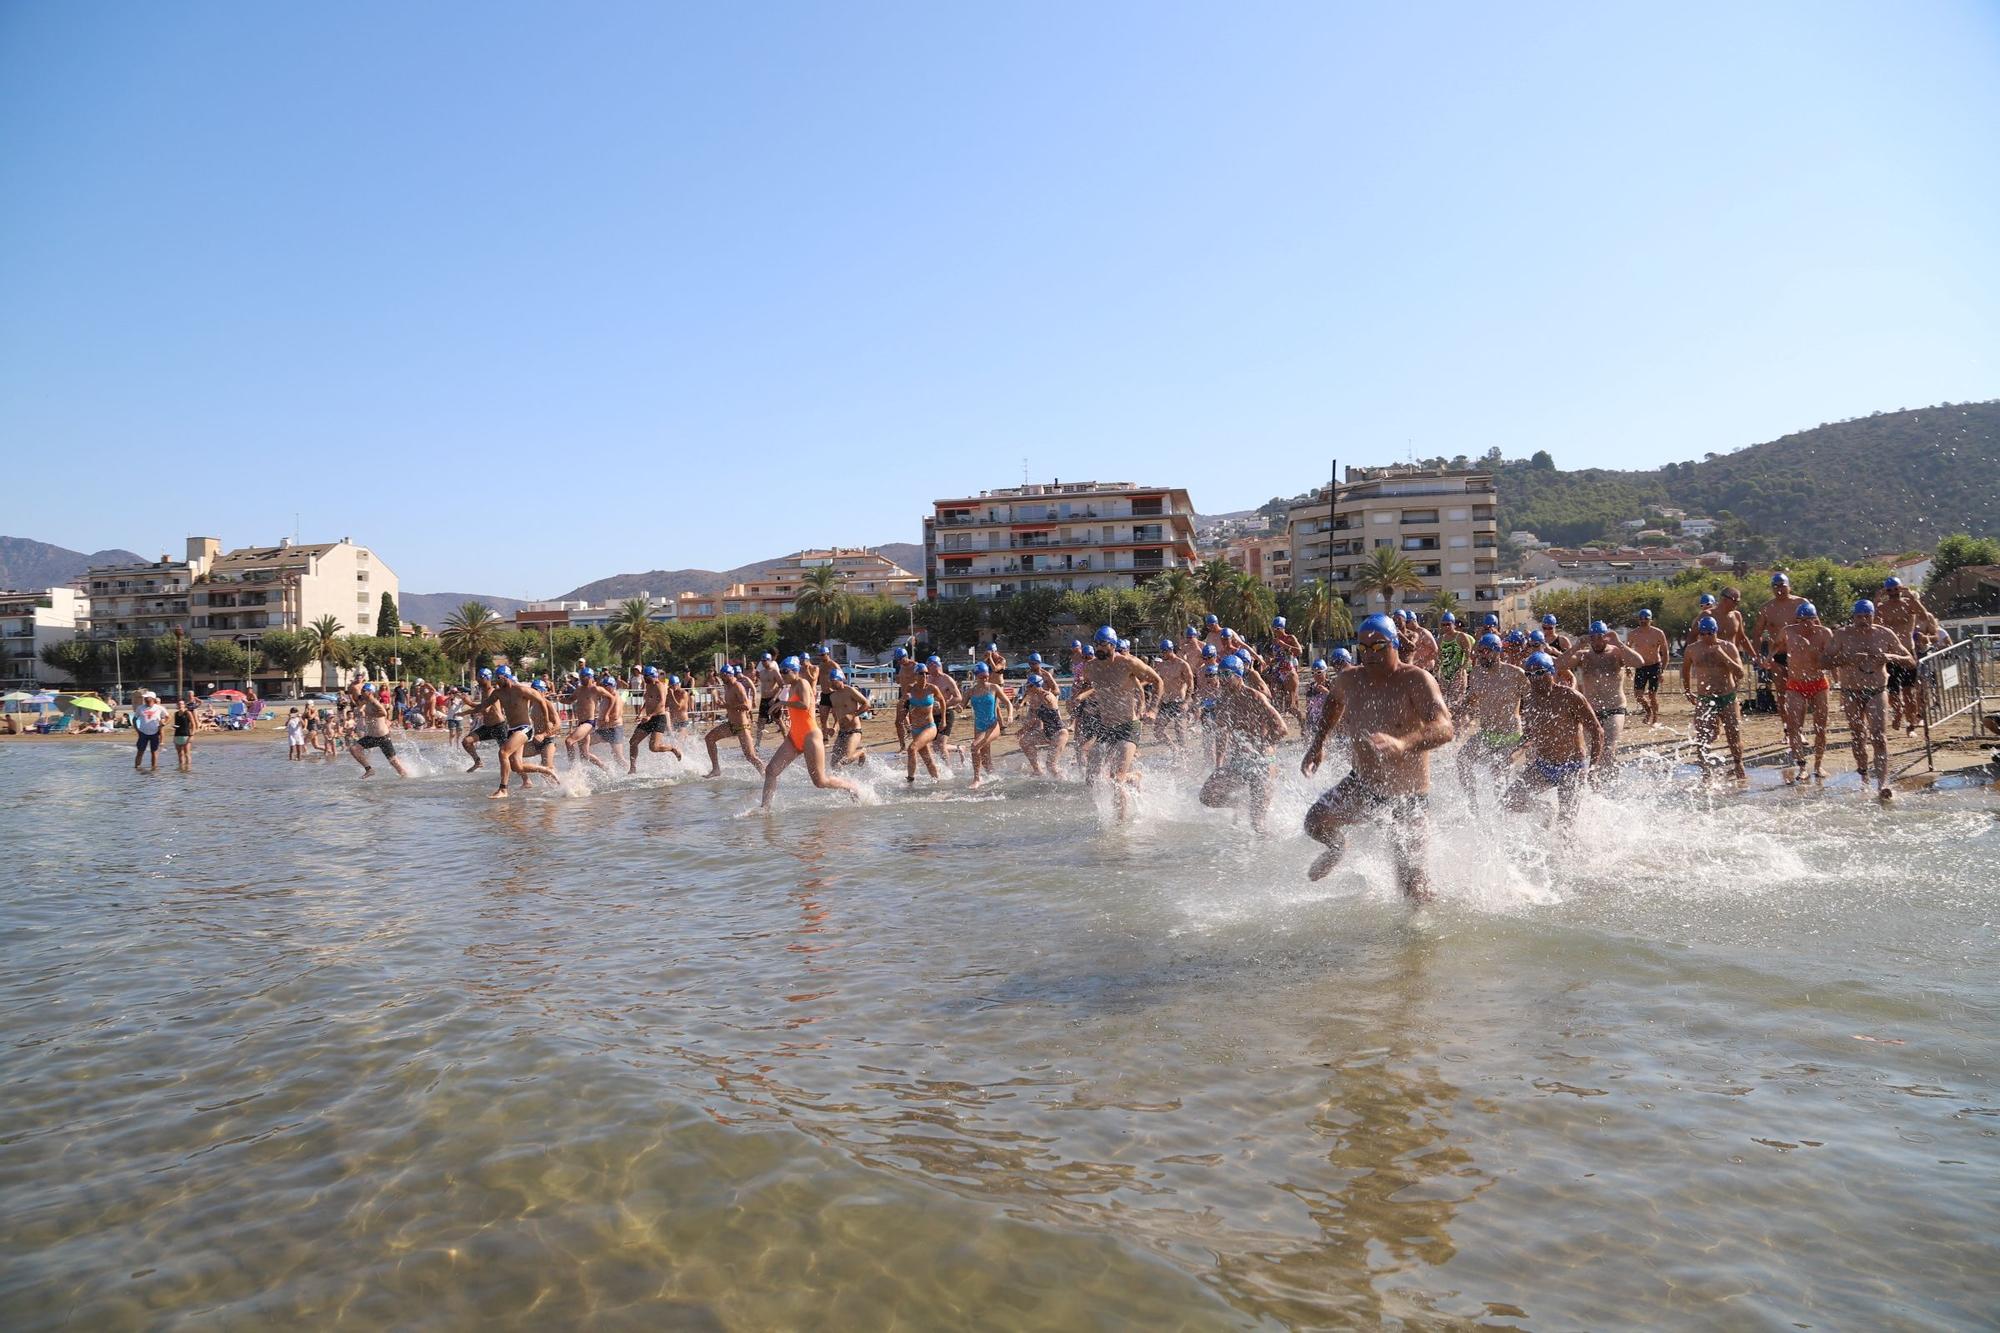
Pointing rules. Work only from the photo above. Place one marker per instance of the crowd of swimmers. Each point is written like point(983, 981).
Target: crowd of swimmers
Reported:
point(1538, 711)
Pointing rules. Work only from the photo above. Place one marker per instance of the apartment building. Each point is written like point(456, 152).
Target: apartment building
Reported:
point(1061, 536)
point(146, 600)
point(1446, 522)
point(1605, 567)
point(862, 573)
point(1267, 559)
point(30, 622)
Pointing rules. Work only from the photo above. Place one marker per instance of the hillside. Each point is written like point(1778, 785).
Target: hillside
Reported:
point(429, 609)
point(667, 582)
point(31, 566)
point(1895, 481)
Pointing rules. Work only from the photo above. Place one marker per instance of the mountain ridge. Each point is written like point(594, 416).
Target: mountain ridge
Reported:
point(27, 565)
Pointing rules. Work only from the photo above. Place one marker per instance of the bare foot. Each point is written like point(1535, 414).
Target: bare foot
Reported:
point(476, 767)
point(1323, 867)
point(367, 772)
point(500, 795)
point(1887, 794)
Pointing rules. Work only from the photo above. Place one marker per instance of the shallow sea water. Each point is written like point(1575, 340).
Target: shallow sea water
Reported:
point(286, 1046)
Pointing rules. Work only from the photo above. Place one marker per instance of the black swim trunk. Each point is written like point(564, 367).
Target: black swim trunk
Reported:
point(1603, 713)
point(826, 700)
point(1354, 790)
point(944, 722)
point(767, 709)
point(1113, 733)
point(1781, 659)
point(492, 731)
point(1901, 677)
point(656, 723)
point(1646, 679)
point(610, 735)
point(382, 743)
point(539, 744)
point(148, 740)
point(1172, 708)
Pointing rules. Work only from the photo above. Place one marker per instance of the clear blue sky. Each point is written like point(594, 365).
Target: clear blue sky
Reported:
point(523, 295)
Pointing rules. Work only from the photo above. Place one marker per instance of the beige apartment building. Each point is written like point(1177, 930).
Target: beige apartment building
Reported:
point(1446, 522)
point(862, 573)
point(288, 586)
point(1063, 535)
point(1266, 559)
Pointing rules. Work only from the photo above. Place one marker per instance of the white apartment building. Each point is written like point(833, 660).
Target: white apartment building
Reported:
point(1446, 522)
point(147, 600)
point(30, 622)
point(253, 589)
point(1605, 567)
point(1063, 535)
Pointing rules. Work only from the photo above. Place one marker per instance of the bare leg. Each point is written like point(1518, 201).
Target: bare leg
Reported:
point(781, 760)
point(750, 751)
point(816, 770)
point(361, 758)
point(1732, 729)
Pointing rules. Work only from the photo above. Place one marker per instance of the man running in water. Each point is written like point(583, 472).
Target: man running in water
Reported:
point(1493, 700)
point(987, 703)
point(1454, 657)
point(1251, 729)
point(736, 706)
point(520, 709)
point(799, 695)
point(1730, 627)
point(652, 721)
point(1176, 689)
point(1044, 731)
point(848, 706)
point(768, 686)
point(1423, 648)
point(587, 706)
point(1711, 673)
point(1117, 683)
point(546, 720)
point(1903, 614)
point(1396, 715)
point(374, 735)
point(680, 702)
point(1599, 668)
point(1862, 653)
point(1768, 630)
point(1802, 647)
point(1650, 642)
point(1554, 716)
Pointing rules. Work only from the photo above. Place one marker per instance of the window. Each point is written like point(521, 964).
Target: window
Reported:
point(1458, 515)
point(1384, 516)
point(1420, 516)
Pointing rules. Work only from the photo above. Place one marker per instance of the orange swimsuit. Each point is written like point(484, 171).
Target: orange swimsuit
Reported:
point(799, 728)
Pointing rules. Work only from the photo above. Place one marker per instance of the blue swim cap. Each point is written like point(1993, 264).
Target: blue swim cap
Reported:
point(673, 680)
point(1780, 577)
point(1124, 645)
point(838, 674)
point(1448, 619)
point(934, 660)
point(1233, 665)
point(789, 664)
point(1539, 664)
point(1537, 637)
point(1864, 607)
point(981, 669)
point(1548, 620)
point(1706, 625)
point(1492, 620)
point(1105, 634)
point(486, 673)
point(369, 688)
point(1319, 664)
point(1891, 582)
point(1515, 636)
point(1807, 611)
point(1076, 643)
point(1342, 656)
point(1645, 614)
point(899, 655)
point(504, 672)
point(1380, 624)
point(1708, 599)
point(1278, 622)
point(993, 647)
point(1599, 627)
point(586, 673)
point(1211, 670)
point(767, 657)
point(1212, 620)
point(652, 673)
point(1166, 645)
point(1190, 633)
point(1490, 642)
point(1035, 658)
point(541, 684)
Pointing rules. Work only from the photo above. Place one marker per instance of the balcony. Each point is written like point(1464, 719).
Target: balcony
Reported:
point(1420, 543)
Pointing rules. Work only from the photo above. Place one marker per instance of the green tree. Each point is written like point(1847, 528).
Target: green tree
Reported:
point(1026, 618)
point(1176, 601)
point(1958, 551)
point(323, 636)
point(287, 650)
point(822, 603)
point(1318, 613)
point(82, 660)
point(632, 631)
point(1387, 573)
point(874, 624)
point(1213, 581)
point(1247, 606)
point(470, 633)
point(388, 623)
point(951, 622)
point(1541, 460)
point(1444, 600)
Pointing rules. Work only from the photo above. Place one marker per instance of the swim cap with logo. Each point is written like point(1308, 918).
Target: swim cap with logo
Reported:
point(1891, 583)
point(1233, 665)
point(789, 664)
point(1645, 614)
point(1708, 599)
point(1492, 620)
point(1105, 634)
point(1319, 664)
point(1212, 620)
point(1548, 620)
point(541, 684)
point(1539, 664)
point(899, 655)
point(1448, 619)
point(1490, 642)
point(652, 673)
point(1807, 611)
point(486, 673)
point(1537, 637)
point(1380, 624)
point(587, 674)
point(1864, 607)
point(1166, 645)
point(1706, 624)
point(1278, 622)
point(1780, 577)
point(1599, 627)
point(1342, 656)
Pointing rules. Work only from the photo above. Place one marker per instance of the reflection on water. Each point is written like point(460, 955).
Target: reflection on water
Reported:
point(294, 1047)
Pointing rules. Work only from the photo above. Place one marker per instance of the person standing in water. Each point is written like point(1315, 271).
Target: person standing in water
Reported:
point(652, 721)
point(737, 703)
point(1599, 668)
point(1251, 729)
point(1862, 653)
point(1454, 658)
point(987, 703)
point(375, 735)
point(921, 707)
point(587, 706)
point(798, 695)
point(1397, 716)
point(1650, 642)
point(1802, 647)
point(1711, 673)
point(184, 735)
point(1557, 720)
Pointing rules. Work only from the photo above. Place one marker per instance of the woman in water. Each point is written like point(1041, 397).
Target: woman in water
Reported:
point(986, 702)
point(1044, 730)
point(921, 707)
point(799, 696)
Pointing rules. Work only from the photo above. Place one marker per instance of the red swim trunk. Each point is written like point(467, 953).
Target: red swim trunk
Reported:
point(1817, 685)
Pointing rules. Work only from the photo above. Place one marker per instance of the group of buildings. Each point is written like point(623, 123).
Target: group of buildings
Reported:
point(239, 595)
point(862, 573)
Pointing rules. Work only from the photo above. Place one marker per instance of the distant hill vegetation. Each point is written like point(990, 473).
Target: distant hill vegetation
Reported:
point(1892, 482)
point(31, 566)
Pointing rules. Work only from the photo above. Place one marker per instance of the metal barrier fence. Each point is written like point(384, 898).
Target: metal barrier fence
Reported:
point(1954, 684)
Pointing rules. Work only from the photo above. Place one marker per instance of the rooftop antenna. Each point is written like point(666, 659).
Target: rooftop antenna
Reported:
point(1024, 469)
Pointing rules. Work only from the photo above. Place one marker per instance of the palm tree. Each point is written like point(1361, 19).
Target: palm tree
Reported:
point(323, 638)
point(1176, 600)
point(631, 630)
point(470, 632)
point(1213, 581)
point(1247, 605)
point(1387, 571)
point(1319, 612)
point(822, 602)
point(1444, 601)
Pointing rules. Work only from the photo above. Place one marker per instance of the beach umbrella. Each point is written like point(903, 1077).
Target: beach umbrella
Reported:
point(15, 696)
point(89, 704)
point(229, 694)
point(43, 698)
